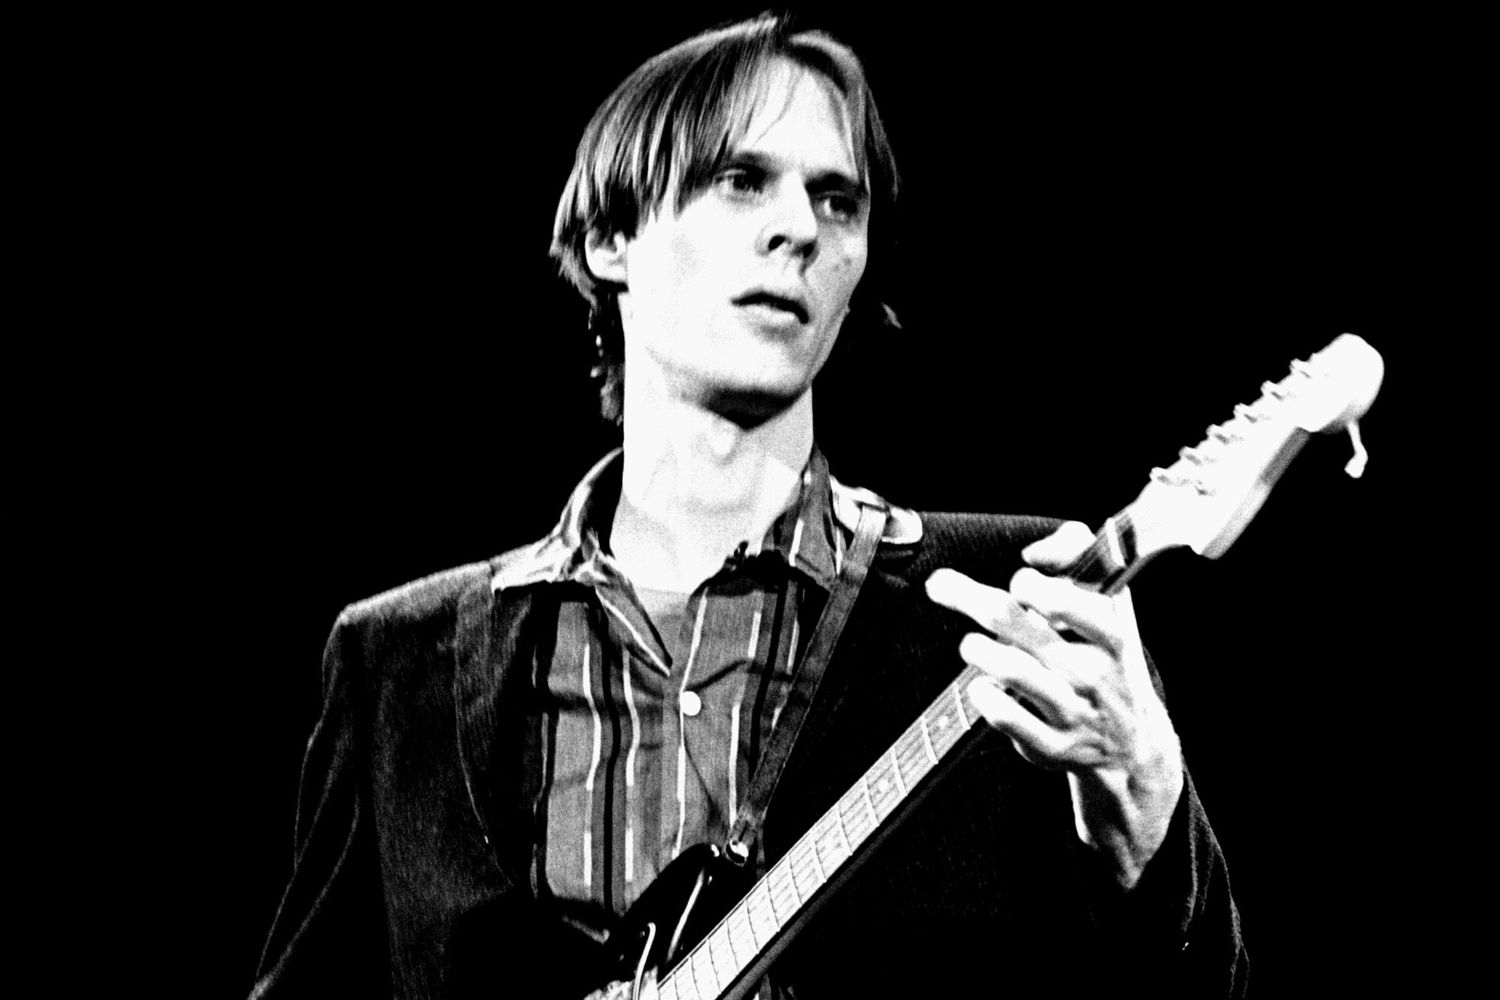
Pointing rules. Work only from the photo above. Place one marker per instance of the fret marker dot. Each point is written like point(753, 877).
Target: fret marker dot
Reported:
point(942, 721)
point(882, 785)
point(691, 703)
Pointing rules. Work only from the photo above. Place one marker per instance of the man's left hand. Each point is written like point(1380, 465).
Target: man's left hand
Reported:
point(1065, 677)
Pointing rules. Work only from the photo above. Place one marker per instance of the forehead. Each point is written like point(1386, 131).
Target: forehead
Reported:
point(800, 117)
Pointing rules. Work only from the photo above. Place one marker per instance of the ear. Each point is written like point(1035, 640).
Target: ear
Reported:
point(606, 256)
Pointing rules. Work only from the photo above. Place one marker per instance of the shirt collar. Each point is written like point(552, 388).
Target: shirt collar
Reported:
point(807, 534)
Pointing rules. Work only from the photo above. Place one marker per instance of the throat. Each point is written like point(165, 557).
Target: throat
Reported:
point(695, 485)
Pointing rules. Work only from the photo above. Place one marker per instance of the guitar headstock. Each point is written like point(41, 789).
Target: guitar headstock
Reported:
point(1207, 497)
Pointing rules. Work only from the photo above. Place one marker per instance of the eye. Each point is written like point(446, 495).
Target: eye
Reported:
point(840, 206)
point(740, 182)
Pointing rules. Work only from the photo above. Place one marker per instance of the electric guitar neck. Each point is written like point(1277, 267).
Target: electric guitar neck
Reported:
point(1202, 501)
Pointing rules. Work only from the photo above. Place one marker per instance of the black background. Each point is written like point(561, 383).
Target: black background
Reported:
point(354, 365)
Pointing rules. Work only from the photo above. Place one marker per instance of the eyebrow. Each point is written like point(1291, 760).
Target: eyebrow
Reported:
point(823, 180)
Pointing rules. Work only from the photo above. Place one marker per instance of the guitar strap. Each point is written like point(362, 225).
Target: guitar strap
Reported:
point(820, 646)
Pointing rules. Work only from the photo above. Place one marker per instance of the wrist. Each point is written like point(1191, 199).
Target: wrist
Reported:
point(1124, 813)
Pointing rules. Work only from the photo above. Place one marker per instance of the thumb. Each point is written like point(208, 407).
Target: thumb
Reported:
point(1060, 548)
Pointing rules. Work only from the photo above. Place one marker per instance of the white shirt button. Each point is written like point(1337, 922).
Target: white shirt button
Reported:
point(691, 704)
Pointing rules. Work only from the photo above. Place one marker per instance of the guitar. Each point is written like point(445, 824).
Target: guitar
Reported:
point(709, 931)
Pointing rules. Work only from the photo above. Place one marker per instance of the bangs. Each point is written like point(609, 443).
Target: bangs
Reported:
point(674, 122)
point(712, 123)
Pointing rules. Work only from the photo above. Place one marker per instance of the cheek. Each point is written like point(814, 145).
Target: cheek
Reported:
point(694, 253)
point(847, 269)
point(663, 262)
point(687, 276)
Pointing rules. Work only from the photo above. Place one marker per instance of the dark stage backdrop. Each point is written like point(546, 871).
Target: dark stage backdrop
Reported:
point(1111, 232)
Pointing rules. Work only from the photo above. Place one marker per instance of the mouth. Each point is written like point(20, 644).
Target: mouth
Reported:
point(772, 300)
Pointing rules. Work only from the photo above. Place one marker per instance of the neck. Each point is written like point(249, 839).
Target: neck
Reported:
point(695, 484)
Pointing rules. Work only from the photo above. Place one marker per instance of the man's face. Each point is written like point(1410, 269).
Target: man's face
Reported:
point(738, 298)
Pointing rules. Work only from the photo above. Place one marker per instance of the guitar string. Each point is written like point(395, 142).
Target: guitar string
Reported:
point(808, 841)
point(1095, 556)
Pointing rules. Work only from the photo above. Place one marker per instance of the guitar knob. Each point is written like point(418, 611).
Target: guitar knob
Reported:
point(738, 852)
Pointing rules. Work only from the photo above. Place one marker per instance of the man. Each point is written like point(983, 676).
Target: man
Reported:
point(511, 752)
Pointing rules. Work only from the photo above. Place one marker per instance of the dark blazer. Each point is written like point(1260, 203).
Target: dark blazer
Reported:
point(414, 830)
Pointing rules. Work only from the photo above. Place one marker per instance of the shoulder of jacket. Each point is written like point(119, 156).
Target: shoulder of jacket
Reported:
point(1010, 527)
point(422, 598)
point(979, 544)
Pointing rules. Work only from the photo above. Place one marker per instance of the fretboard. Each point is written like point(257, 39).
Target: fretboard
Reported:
point(721, 958)
point(1231, 470)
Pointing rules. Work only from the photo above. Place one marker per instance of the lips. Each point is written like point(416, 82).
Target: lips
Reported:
point(774, 300)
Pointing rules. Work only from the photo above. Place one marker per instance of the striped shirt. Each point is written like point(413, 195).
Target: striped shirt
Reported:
point(653, 720)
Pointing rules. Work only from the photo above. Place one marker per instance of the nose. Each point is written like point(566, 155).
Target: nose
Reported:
point(791, 222)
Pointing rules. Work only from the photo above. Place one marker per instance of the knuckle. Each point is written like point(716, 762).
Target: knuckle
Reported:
point(1005, 615)
point(1032, 589)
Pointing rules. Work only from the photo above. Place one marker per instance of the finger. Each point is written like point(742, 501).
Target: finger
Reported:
point(1061, 548)
point(1022, 676)
point(992, 609)
point(1094, 616)
point(1033, 738)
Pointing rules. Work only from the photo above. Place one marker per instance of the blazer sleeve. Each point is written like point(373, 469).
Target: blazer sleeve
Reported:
point(1180, 919)
point(1178, 927)
point(329, 936)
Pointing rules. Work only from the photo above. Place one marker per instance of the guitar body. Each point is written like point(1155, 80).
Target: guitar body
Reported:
point(683, 903)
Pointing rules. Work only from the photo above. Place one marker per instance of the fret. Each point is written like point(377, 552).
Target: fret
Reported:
point(744, 929)
point(958, 700)
point(831, 840)
point(927, 739)
point(781, 907)
point(945, 726)
point(843, 831)
point(761, 906)
point(812, 868)
point(780, 879)
point(682, 981)
point(864, 785)
point(822, 876)
point(840, 847)
point(838, 826)
point(703, 971)
point(879, 792)
point(667, 989)
point(918, 756)
point(910, 767)
point(882, 787)
point(794, 856)
point(896, 770)
point(856, 805)
point(722, 958)
point(790, 864)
